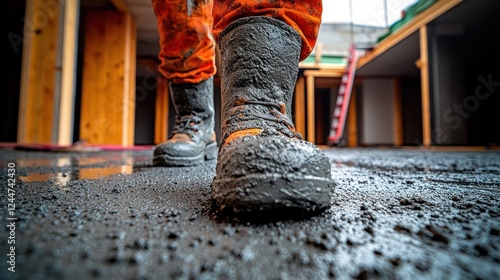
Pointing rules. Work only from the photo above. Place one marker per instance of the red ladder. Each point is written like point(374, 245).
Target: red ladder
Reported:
point(342, 104)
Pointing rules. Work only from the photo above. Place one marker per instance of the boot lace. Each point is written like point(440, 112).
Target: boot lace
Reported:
point(276, 113)
point(188, 124)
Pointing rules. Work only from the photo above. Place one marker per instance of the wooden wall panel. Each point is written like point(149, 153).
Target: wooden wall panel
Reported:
point(36, 106)
point(108, 82)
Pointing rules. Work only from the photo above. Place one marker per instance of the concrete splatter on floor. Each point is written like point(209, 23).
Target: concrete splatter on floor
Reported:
point(398, 214)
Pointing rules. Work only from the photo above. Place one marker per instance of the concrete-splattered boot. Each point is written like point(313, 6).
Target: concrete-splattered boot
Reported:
point(262, 163)
point(192, 140)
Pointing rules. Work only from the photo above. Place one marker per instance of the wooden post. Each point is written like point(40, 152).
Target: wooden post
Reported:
point(130, 76)
point(68, 75)
point(161, 113)
point(352, 119)
point(311, 130)
point(300, 106)
point(108, 83)
point(398, 113)
point(424, 78)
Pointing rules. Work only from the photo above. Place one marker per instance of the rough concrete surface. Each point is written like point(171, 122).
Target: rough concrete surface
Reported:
point(398, 214)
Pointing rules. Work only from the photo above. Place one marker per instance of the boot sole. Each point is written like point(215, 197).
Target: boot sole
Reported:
point(276, 192)
point(210, 153)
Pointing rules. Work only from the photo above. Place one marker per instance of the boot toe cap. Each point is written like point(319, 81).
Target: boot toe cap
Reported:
point(178, 154)
point(262, 173)
point(180, 149)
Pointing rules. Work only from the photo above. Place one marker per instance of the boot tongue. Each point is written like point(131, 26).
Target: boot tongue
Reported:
point(184, 106)
point(188, 100)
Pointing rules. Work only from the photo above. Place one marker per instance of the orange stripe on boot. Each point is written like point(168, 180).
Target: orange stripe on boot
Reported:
point(242, 133)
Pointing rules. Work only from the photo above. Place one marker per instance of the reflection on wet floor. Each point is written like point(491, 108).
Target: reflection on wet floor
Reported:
point(77, 167)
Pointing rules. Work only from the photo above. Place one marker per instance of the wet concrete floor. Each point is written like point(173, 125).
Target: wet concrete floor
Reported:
point(399, 214)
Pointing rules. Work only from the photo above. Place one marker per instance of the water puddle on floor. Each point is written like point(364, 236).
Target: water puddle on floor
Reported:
point(67, 169)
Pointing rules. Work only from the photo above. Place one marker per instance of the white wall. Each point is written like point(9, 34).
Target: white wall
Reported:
point(377, 112)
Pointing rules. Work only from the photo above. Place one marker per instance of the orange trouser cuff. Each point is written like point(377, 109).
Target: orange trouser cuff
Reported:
point(187, 47)
point(304, 16)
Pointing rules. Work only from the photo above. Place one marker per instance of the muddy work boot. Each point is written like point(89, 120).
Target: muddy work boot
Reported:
point(262, 163)
point(192, 140)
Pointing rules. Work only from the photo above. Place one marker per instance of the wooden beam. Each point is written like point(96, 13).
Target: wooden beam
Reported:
point(421, 20)
point(424, 78)
point(38, 87)
point(320, 66)
point(129, 74)
point(68, 76)
point(352, 119)
point(300, 106)
point(161, 110)
point(311, 130)
point(108, 83)
point(330, 73)
point(398, 112)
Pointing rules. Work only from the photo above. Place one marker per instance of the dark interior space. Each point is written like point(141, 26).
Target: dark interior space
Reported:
point(13, 13)
point(412, 112)
point(322, 114)
point(476, 109)
point(483, 82)
point(145, 98)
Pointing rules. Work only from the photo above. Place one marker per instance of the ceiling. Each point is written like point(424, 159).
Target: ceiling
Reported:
point(469, 17)
point(147, 31)
point(398, 61)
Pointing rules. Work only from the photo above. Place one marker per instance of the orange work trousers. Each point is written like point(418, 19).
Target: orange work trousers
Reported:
point(189, 29)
